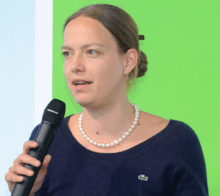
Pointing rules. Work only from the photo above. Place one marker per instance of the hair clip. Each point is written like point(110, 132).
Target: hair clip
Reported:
point(141, 37)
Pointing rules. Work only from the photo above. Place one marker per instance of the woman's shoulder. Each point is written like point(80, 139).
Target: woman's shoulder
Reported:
point(148, 126)
point(155, 123)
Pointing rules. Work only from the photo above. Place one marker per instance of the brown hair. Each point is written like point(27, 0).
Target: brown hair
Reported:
point(124, 30)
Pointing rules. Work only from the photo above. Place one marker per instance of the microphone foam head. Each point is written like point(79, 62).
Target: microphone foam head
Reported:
point(54, 112)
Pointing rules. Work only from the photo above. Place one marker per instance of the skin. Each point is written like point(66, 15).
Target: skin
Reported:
point(106, 108)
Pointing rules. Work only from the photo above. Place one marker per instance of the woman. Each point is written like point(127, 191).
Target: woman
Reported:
point(112, 148)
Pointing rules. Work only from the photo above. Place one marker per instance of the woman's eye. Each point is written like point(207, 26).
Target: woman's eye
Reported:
point(65, 54)
point(92, 50)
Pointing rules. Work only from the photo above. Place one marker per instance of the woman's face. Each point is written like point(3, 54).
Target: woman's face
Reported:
point(101, 65)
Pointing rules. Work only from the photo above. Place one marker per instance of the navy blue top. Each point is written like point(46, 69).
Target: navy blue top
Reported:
point(171, 163)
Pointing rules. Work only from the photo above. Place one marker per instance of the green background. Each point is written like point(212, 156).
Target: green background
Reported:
point(182, 43)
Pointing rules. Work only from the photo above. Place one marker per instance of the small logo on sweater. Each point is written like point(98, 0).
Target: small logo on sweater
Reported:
point(143, 177)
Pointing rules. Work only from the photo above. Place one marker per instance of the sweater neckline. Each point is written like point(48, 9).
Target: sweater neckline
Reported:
point(135, 150)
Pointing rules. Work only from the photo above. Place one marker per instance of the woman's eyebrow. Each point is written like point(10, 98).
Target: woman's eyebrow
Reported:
point(82, 47)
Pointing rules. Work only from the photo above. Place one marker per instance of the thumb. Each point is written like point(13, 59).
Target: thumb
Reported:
point(46, 161)
point(48, 157)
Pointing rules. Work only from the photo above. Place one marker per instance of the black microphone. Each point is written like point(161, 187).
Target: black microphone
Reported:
point(52, 118)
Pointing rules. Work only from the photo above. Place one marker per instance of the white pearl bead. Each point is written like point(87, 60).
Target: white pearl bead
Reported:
point(137, 111)
point(126, 133)
point(116, 142)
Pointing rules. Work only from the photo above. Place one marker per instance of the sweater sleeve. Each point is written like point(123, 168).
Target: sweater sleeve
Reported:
point(191, 179)
point(34, 132)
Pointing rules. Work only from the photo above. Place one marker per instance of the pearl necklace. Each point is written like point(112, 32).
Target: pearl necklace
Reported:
point(116, 141)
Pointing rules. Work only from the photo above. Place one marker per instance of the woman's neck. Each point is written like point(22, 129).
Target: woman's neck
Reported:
point(108, 123)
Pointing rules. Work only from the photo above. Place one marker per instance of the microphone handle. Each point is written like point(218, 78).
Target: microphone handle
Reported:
point(46, 133)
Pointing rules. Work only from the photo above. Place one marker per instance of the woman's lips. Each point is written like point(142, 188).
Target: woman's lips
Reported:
point(81, 87)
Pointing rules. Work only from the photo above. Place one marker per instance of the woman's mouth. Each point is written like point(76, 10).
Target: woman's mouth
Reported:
point(81, 86)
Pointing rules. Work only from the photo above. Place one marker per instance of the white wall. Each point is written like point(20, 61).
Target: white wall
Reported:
point(26, 82)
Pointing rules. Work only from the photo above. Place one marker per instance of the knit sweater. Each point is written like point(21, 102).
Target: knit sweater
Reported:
point(171, 163)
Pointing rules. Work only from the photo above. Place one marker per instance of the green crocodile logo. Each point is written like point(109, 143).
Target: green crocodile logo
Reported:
point(143, 177)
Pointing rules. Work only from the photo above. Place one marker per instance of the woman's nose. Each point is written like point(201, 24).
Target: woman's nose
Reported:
point(77, 63)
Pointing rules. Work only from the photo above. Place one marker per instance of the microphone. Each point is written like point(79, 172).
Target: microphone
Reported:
point(51, 120)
